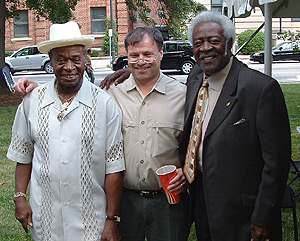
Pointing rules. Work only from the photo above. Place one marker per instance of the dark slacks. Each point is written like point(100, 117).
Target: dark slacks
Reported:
point(153, 218)
point(200, 214)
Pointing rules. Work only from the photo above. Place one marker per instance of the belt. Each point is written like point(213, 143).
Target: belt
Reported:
point(147, 194)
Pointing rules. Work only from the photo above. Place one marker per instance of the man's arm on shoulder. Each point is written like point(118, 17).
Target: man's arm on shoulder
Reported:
point(113, 188)
point(117, 77)
point(25, 85)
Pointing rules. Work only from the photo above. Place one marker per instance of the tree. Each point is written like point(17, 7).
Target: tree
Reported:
point(174, 14)
point(256, 44)
point(58, 11)
point(105, 45)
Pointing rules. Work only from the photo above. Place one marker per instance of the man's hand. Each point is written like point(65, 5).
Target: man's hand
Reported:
point(259, 233)
point(178, 182)
point(117, 77)
point(23, 212)
point(24, 85)
point(110, 232)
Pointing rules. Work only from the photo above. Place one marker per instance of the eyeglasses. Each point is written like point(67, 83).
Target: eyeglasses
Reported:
point(147, 60)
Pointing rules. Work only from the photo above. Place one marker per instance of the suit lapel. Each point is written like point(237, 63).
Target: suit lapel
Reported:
point(226, 99)
point(195, 86)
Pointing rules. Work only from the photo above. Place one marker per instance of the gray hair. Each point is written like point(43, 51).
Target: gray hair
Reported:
point(213, 16)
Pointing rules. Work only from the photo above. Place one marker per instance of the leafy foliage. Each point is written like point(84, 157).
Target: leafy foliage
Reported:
point(58, 11)
point(177, 13)
point(12, 6)
point(95, 53)
point(8, 53)
point(105, 45)
point(256, 44)
point(291, 36)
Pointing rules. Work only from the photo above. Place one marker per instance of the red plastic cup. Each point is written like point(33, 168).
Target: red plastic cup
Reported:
point(166, 173)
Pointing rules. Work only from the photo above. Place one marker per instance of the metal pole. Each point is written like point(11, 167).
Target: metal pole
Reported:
point(110, 59)
point(268, 40)
point(3, 88)
point(113, 35)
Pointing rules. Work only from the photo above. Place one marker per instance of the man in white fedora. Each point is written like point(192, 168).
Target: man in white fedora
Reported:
point(67, 141)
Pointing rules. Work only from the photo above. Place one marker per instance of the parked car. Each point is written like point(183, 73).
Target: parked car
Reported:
point(28, 58)
point(177, 55)
point(282, 51)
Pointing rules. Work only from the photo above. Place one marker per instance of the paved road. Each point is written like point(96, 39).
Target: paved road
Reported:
point(284, 72)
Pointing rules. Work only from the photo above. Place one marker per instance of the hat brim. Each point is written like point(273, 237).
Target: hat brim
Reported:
point(47, 46)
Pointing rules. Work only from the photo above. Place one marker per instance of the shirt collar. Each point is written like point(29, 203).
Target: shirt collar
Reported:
point(83, 95)
point(160, 85)
point(217, 80)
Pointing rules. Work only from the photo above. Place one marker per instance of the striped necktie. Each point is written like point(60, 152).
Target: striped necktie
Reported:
point(196, 134)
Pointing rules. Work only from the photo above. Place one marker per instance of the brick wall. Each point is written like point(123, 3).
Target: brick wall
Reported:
point(39, 30)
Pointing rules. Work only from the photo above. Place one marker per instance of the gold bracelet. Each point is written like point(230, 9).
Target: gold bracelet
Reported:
point(115, 218)
point(20, 194)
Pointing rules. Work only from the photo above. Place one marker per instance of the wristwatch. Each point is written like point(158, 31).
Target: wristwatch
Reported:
point(115, 218)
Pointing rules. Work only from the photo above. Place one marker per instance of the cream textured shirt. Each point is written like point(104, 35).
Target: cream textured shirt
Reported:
point(215, 86)
point(152, 127)
point(69, 159)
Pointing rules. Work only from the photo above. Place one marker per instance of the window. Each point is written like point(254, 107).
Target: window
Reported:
point(295, 19)
point(171, 47)
point(21, 29)
point(147, 13)
point(35, 51)
point(287, 46)
point(216, 5)
point(23, 52)
point(98, 23)
point(161, 14)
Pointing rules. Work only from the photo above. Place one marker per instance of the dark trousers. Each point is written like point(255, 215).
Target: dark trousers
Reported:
point(153, 218)
point(200, 214)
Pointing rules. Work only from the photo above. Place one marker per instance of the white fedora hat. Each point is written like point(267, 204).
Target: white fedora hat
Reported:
point(65, 34)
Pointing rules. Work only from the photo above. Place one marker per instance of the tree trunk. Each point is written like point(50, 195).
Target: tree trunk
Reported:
point(3, 87)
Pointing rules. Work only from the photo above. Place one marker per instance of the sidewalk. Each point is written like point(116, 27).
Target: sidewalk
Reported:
point(244, 58)
point(100, 62)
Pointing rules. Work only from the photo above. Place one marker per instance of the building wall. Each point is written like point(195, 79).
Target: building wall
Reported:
point(256, 19)
point(39, 30)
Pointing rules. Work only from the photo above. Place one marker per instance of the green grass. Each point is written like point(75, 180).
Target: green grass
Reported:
point(11, 230)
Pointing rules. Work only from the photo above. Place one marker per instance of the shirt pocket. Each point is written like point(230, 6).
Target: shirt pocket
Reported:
point(165, 138)
point(130, 132)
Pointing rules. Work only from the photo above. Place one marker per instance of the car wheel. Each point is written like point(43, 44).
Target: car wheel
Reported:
point(48, 68)
point(186, 67)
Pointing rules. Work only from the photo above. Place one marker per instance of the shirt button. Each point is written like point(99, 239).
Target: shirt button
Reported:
point(142, 142)
point(143, 103)
point(142, 161)
point(63, 140)
point(64, 184)
point(143, 179)
point(142, 122)
point(65, 203)
point(64, 162)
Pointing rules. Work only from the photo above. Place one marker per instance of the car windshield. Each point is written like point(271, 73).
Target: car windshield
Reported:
point(285, 45)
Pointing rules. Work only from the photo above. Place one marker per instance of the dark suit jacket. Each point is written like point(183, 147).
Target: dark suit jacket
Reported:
point(246, 152)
